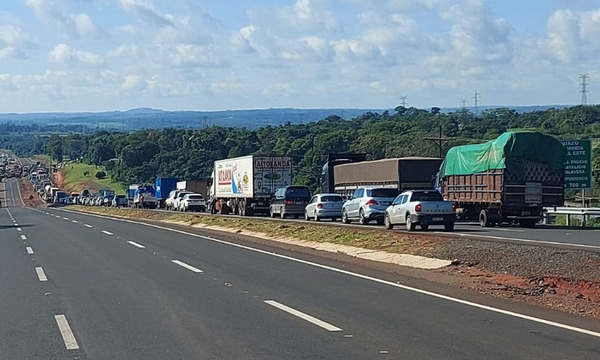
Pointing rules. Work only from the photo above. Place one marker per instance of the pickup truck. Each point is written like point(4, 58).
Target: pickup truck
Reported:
point(420, 207)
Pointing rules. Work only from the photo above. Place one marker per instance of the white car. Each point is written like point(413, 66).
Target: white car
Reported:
point(367, 204)
point(323, 206)
point(192, 202)
point(420, 207)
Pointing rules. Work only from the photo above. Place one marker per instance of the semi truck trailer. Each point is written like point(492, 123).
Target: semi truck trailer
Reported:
point(506, 180)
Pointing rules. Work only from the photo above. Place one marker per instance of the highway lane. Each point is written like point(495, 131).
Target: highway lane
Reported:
point(125, 297)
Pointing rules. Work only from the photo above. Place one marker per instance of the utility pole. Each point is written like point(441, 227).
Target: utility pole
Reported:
point(476, 102)
point(403, 98)
point(439, 141)
point(584, 90)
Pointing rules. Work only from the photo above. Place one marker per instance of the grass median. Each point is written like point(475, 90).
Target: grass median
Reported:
point(373, 239)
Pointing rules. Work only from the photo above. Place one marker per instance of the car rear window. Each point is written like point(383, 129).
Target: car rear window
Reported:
point(384, 193)
point(331, 198)
point(426, 196)
point(195, 197)
point(297, 193)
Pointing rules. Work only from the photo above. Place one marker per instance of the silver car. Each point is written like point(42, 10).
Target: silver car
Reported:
point(323, 206)
point(367, 204)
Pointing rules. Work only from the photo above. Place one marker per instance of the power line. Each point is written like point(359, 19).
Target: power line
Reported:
point(584, 90)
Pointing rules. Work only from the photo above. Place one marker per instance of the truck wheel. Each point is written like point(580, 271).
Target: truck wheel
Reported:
point(409, 224)
point(388, 223)
point(449, 226)
point(345, 219)
point(484, 220)
point(361, 218)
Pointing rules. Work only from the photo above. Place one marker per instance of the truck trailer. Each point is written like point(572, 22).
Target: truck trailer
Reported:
point(163, 186)
point(507, 180)
point(194, 186)
point(245, 185)
point(405, 173)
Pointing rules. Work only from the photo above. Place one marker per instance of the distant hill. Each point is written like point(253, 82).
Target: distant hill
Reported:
point(147, 118)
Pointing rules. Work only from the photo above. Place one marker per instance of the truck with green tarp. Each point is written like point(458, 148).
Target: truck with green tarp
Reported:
point(506, 180)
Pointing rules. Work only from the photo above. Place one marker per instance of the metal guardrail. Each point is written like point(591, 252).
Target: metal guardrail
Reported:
point(583, 213)
point(573, 211)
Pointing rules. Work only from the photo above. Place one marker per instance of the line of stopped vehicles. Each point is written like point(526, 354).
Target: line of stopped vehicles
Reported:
point(510, 179)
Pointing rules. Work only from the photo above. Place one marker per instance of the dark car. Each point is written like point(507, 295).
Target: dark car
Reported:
point(120, 200)
point(290, 201)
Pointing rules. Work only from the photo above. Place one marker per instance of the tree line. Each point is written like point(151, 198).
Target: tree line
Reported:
point(142, 156)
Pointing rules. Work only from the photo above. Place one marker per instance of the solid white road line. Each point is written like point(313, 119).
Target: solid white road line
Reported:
point(303, 316)
point(107, 233)
point(136, 244)
point(19, 229)
point(29, 250)
point(40, 273)
point(23, 237)
point(189, 267)
point(65, 331)
point(88, 226)
point(366, 277)
point(509, 239)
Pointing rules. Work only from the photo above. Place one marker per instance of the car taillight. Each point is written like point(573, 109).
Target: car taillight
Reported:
point(319, 206)
point(371, 203)
point(288, 202)
point(418, 208)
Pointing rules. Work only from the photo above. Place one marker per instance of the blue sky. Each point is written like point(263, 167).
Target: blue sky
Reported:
point(96, 55)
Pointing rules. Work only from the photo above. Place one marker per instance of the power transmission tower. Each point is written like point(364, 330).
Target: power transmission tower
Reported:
point(584, 90)
point(403, 98)
point(476, 102)
point(463, 103)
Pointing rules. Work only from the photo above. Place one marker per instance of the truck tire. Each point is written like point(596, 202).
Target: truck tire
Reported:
point(449, 226)
point(388, 222)
point(484, 219)
point(345, 218)
point(409, 224)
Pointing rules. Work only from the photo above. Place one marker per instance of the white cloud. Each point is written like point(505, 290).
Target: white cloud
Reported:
point(13, 40)
point(132, 82)
point(56, 13)
point(63, 54)
point(147, 12)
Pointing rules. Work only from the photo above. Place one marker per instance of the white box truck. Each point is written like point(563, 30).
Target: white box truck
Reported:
point(244, 185)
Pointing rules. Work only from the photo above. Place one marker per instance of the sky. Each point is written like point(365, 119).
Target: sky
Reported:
point(104, 55)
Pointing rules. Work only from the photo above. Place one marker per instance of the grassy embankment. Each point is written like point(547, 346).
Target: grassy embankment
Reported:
point(374, 239)
point(76, 177)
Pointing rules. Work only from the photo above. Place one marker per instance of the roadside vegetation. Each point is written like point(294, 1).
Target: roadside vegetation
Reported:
point(78, 176)
point(142, 156)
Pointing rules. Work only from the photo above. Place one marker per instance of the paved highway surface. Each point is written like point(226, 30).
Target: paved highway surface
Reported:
point(77, 286)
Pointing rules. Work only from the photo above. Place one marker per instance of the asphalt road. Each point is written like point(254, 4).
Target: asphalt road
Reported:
point(133, 291)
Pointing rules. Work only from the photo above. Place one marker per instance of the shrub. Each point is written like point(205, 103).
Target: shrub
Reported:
point(100, 175)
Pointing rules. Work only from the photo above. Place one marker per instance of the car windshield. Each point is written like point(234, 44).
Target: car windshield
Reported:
point(388, 193)
point(426, 196)
point(297, 192)
point(331, 198)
